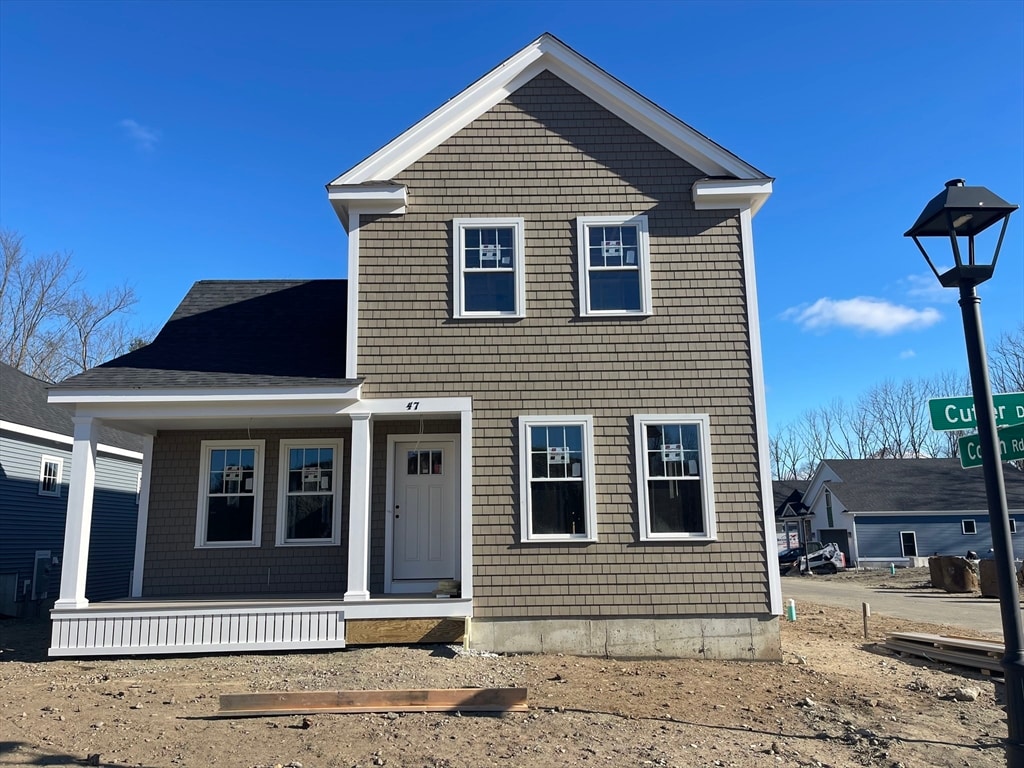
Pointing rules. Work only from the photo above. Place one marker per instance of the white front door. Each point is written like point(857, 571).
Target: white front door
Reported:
point(424, 511)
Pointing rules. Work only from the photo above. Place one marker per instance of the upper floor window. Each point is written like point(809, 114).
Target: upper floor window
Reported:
point(50, 471)
point(614, 265)
point(230, 493)
point(309, 503)
point(489, 274)
point(674, 481)
point(557, 478)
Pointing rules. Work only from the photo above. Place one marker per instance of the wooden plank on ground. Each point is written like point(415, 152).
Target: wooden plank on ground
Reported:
point(423, 700)
point(948, 641)
point(393, 631)
point(970, 660)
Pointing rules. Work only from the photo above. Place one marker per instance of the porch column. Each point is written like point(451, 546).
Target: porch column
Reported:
point(142, 524)
point(359, 509)
point(78, 521)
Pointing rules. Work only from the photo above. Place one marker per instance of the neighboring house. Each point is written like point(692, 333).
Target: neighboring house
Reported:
point(881, 511)
point(792, 518)
point(35, 465)
point(539, 394)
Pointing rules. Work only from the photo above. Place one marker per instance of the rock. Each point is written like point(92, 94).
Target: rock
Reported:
point(965, 694)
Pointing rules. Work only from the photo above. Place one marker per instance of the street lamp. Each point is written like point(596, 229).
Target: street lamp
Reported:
point(964, 212)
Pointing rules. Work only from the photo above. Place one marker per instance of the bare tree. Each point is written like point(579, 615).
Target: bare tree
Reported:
point(1006, 362)
point(50, 326)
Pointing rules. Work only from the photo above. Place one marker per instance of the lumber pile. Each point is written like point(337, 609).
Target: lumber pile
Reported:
point(984, 655)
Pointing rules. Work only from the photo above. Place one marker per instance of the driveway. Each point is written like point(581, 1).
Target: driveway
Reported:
point(927, 605)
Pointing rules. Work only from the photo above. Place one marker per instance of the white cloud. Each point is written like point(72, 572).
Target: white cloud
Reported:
point(145, 138)
point(906, 354)
point(925, 287)
point(863, 313)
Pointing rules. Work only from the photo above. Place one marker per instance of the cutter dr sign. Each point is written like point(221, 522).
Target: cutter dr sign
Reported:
point(955, 413)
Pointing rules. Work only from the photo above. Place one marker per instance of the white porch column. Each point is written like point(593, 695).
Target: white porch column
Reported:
point(359, 509)
point(142, 524)
point(78, 522)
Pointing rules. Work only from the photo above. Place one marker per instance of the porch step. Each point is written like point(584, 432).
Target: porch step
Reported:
point(403, 631)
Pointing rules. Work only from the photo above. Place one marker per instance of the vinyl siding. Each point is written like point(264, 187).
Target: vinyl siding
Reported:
point(942, 534)
point(30, 522)
point(549, 154)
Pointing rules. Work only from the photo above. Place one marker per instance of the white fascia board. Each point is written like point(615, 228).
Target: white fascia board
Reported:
point(379, 199)
point(56, 437)
point(200, 395)
point(412, 406)
point(717, 194)
point(548, 53)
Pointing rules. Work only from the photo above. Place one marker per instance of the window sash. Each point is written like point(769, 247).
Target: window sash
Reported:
point(309, 492)
point(230, 494)
point(50, 476)
point(558, 499)
point(614, 265)
point(489, 274)
point(675, 485)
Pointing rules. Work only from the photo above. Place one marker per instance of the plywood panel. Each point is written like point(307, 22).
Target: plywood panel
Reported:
point(386, 631)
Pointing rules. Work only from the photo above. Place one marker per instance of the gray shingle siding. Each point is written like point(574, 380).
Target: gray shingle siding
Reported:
point(176, 568)
point(549, 154)
point(941, 534)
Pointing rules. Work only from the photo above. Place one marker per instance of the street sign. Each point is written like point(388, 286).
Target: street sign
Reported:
point(953, 413)
point(1011, 446)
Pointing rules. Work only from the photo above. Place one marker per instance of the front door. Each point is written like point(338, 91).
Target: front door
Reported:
point(423, 533)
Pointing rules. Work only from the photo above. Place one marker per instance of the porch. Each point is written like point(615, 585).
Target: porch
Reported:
point(279, 623)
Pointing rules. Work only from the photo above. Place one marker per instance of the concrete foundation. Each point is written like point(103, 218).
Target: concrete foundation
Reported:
point(753, 638)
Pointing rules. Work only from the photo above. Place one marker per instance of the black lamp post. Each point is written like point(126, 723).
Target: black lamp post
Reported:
point(963, 212)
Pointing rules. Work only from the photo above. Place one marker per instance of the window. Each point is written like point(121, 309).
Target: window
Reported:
point(675, 487)
point(1013, 525)
point(230, 494)
point(614, 265)
point(309, 497)
point(969, 527)
point(50, 472)
point(489, 276)
point(557, 478)
point(908, 543)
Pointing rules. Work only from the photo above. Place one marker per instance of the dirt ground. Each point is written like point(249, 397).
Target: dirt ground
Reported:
point(835, 700)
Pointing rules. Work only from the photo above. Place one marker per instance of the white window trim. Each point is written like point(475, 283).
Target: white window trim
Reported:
point(459, 227)
point(707, 475)
point(43, 461)
point(963, 526)
point(1013, 525)
point(206, 446)
point(583, 265)
point(282, 492)
point(903, 547)
point(589, 488)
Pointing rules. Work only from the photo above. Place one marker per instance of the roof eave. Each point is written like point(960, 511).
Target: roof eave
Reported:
point(716, 194)
point(388, 199)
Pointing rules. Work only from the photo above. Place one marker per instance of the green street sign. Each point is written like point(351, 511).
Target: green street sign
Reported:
point(1011, 446)
point(953, 413)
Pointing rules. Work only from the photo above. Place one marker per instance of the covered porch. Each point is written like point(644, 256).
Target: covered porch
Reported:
point(382, 586)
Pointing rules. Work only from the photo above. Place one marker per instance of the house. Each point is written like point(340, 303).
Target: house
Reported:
point(534, 412)
point(881, 511)
point(35, 464)
point(792, 518)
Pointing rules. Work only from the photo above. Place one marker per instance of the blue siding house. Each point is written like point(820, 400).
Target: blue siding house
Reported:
point(881, 511)
point(35, 467)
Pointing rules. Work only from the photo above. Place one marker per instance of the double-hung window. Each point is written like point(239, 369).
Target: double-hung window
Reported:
point(230, 493)
point(50, 474)
point(557, 478)
point(614, 265)
point(674, 481)
point(488, 273)
point(309, 496)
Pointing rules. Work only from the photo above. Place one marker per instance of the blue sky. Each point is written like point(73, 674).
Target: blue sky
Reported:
point(165, 143)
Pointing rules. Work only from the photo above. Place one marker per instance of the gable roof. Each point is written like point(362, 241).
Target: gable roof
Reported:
point(789, 494)
point(547, 53)
point(23, 403)
point(917, 485)
point(239, 333)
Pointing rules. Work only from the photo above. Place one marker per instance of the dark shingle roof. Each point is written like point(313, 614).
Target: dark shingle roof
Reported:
point(239, 333)
point(23, 401)
point(789, 492)
point(924, 485)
